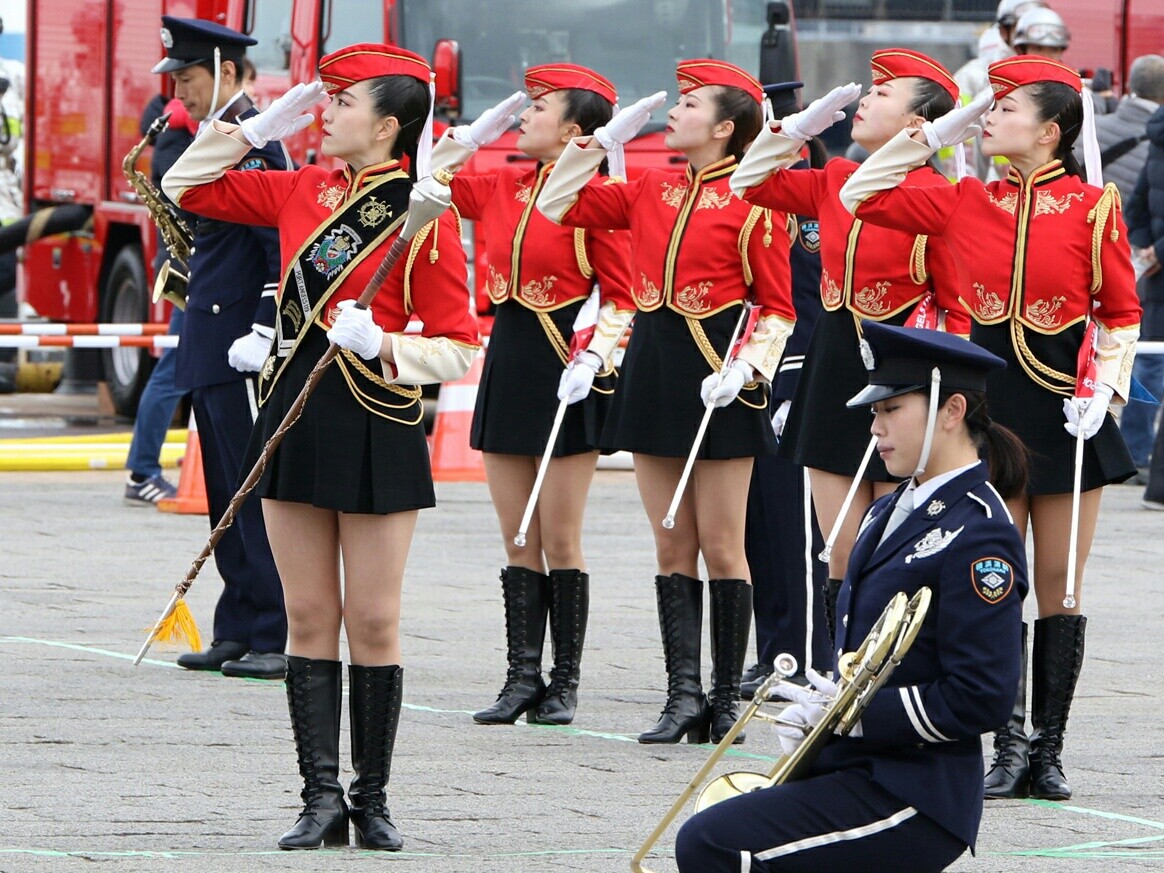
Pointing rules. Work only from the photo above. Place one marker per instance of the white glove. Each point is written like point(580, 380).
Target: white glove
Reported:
point(780, 416)
point(1086, 414)
point(722, 391)
point(491, 123)
point(248, 353)
point(821, 114)
point(578, 377)
point(354, 329)
point(625, 126)
point(287, 115)
point(960, 123)
point(807, 710)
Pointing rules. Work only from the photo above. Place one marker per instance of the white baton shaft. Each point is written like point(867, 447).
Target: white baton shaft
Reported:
point(1069, 600)
point(827, 551)
point(519, 540)
point(166, 613)
point(669, 520)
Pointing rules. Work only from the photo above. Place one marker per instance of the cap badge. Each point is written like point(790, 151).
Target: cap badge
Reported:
point(867, 355)
point(167, 38)
point(936, 507)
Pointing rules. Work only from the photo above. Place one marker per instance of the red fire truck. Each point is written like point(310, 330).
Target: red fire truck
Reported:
point(89, 79)
point(1110, 34)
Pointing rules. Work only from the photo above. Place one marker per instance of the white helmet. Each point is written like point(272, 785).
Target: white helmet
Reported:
point(1042, 27)
point(1009, 11)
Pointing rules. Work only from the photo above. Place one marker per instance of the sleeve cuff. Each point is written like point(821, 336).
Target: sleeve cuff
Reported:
point(422, 360)
point(570, 174)
point(769, 152)
point(608, 332)
point(765, 346)
point(206, 159)
point(884, 169)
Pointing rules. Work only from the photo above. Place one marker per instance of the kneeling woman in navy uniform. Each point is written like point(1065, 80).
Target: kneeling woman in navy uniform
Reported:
point(907, 783)
point(348, 479)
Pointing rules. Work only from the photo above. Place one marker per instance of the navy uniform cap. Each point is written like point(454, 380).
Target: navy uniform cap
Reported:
point(900, 360)
point(190, 41)
point(783, 97)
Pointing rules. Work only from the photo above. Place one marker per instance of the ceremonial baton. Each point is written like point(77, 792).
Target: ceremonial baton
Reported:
point(827, 551)
point(1085, 380)
point(423, 208)
point(669, 520)
point(519, 540)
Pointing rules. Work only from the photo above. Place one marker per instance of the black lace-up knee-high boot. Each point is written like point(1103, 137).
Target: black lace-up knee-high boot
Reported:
point(1057, 660)
point(680, 602)
point(374, 696)
point(526, 595)
point(731, 620)
point(1009, 772)
point(569, 609)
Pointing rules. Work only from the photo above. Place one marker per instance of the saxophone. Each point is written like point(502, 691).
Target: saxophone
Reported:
point(171, 281)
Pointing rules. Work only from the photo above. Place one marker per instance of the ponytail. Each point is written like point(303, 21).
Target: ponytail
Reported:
point(1007, 457)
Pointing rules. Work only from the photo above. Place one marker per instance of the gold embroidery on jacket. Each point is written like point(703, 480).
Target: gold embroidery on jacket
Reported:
point(1047, 203)
point(872, 300)
point(673, 194)
point(830, 291)
point(330, 197)
point(989, 304)
point(1043, 312)
point(649, 293)
point(521, 194)
point(537, 291)
point(495, 285)
point(709, 198)
point(691, 297)
point(1007, 204)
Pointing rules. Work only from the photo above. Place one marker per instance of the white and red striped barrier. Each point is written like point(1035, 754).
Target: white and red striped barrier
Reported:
point(34, 341)
point(44, 328)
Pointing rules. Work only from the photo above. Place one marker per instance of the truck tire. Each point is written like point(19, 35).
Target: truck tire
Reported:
point(125, 299)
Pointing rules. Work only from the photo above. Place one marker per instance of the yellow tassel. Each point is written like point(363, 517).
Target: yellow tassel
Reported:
point(180, 627)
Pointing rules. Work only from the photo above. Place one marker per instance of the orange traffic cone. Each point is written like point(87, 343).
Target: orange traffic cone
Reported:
point(191, 497)
point(452, 459)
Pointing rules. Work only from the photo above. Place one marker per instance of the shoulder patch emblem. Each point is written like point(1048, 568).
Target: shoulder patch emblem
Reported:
point(932, 543)
point(992, 579)
point(810, 234)
point(254, 163)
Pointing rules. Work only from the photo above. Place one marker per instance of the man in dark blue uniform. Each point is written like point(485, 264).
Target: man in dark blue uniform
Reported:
point(226, 337)
point(781, 537)
point(903, 790)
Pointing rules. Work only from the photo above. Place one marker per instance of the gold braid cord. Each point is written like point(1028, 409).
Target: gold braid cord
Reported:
point(745, 237)
point(712, 357)
point(580, 254)
point(918, 271)
point(1107, 207)
point(1035, 368)
point(555, 337)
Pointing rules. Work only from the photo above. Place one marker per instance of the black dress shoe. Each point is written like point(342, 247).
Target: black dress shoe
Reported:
point(257, 665)
point(753, 678)
point(220, 652)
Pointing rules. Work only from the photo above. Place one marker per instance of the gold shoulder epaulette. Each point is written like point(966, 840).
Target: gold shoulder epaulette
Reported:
point(1106, 208)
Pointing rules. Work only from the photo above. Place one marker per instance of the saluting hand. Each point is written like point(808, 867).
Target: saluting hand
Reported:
point(578, 377)
point(821, 114)
point(354, 329)
point(491, 123)
point(286, 115)
point(626, 125)
point(720, 392)
point(960, 123)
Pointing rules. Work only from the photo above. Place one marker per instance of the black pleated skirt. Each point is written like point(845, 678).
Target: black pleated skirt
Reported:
point(339, 455)
point(1036, 414)
point(518, 394)
point(657, 409)
point(821, 432)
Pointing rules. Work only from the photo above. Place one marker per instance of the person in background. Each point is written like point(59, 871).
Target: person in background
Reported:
point(145, 484)
point(1146, 233)
point(541, 277)
point(249, 76)
point(1042, 31)
point(226, 333)
point(782, 539)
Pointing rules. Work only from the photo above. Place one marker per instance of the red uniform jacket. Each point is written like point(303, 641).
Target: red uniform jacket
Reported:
point(872, 271)
point(538, 263)
point(697, 247)
point(429, 282)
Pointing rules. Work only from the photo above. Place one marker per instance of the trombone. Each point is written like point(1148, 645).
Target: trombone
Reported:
point(862, 674)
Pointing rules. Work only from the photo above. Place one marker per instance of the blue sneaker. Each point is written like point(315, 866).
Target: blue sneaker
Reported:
point(149, 491)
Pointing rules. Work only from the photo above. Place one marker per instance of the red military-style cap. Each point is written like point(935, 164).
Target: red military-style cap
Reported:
point(898, 63)
point(369, 60)
point(1014, 72)
point(698, 72)
point(546, 78)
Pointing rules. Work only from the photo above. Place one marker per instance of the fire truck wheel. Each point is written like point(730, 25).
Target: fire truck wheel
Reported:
point(125, 298)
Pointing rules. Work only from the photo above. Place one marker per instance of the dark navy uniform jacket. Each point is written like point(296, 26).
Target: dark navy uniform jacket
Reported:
point(921, 732)
point(804, 256)
point(234, 273)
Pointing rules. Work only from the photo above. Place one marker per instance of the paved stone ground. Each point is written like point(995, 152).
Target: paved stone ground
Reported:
point(108, 766)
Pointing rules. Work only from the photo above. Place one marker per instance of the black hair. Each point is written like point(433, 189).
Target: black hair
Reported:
point(589, 111)
point(1006, 456)
point(737, 105)
point(818, 153)
point(1062, 104)
point(930, 100)
point(406, 99)
point(235, 60)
